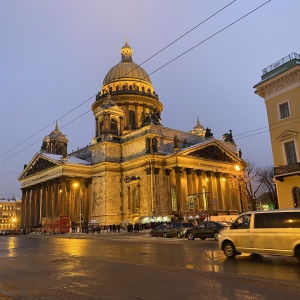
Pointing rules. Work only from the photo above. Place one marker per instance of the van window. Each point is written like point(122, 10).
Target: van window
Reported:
point(277, 220)
point(242, 222)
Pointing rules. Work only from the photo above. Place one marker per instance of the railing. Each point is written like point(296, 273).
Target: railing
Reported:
point(286, 170)
point(281, 65)
point(281, 62)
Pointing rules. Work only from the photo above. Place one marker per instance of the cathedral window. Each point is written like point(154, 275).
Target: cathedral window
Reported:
point(101, 127)
point(173, 198)
point(135, 200)
point(113, 127)
point(132, 119)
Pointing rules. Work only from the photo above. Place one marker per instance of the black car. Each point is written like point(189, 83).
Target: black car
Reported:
point(177, 229)
point(207, 229)
point(158, 230)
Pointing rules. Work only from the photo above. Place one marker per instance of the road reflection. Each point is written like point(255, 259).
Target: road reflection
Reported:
point(71, 254)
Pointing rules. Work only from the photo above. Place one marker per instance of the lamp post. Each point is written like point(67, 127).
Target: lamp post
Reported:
point(240, 188)
point(241, 198)
point(80, 211)
point(76, 185)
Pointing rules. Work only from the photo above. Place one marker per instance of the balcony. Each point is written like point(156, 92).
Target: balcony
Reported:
point(288, 170)
point(281, 65)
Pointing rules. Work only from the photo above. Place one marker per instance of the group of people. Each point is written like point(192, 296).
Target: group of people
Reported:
point(133, 228)
point(136, 228)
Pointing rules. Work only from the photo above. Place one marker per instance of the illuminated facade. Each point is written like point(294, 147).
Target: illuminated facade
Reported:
point(10, 212)
point(135, 169)
point(280, 88)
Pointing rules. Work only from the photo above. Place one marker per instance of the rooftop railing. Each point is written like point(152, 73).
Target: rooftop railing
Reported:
point(281, 65)
point(281, 62)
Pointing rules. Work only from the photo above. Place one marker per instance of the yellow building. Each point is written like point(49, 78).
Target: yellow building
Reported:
point(10, 212)
point(280, 87)
point(136, 169)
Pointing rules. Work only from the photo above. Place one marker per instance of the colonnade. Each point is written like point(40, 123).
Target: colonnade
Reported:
point(55, 198)
point(210, 191)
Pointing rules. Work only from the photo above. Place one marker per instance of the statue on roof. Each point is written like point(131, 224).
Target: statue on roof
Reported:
point(227, 137)
point(152, 117)
point(44, 145)
point(175, 142)
point(208, 133)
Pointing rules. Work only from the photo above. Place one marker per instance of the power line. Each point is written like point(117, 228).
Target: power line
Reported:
point(271, 127)
point(122, 76)
point(38, 141)
point(49, 126)
point(201, 23)
point(205, 40)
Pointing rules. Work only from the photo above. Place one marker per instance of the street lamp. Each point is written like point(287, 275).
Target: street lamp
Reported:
point(240, 188)
point(76, 185)
point(241, 198)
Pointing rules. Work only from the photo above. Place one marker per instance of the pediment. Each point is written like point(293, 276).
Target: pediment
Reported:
point(212, 152)
point(39, 164)
point(287, 135)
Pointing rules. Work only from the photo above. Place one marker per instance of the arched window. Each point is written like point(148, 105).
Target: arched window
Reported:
point(296, 196)
point(173, 198)
point(132, 119)
point(101, 127)
point(113, 127)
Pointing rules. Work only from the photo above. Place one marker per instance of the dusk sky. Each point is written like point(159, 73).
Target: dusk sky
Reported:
point(55, 55)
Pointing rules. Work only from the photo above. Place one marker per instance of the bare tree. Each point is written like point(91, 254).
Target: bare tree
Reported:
point(266, 175)
point(251, 183)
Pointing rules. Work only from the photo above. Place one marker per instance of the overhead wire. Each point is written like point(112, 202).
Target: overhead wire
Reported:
point(164, 48)
point(67, 113)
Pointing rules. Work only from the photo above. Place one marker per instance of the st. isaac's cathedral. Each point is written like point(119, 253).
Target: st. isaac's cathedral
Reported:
point(135, 169)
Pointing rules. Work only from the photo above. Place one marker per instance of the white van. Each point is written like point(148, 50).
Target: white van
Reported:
point(274, 232)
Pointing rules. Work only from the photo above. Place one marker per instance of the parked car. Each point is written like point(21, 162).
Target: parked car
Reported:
point(207, 229)
point(158, 230)
point(177, 229)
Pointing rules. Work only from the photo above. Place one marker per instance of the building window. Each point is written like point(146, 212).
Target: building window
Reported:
point(296, 196)
point(132, 120)
point(113, 127)
point(284, 110)
point(290, 152)
point(135, 199)
point(173, 198)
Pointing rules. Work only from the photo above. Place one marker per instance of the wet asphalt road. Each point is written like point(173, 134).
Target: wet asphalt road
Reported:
point(135, 266)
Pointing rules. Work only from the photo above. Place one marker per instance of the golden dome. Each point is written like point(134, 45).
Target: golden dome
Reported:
point(126, 69)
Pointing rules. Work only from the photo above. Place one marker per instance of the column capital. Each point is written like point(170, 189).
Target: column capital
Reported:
point(208, 173)
point(188, 171)
point(198, 172)
point(168, 172)
point(178, 170)
point(218, 174)
point(156, 171)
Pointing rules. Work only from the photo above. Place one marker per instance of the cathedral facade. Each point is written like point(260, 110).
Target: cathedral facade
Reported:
point(135, 169)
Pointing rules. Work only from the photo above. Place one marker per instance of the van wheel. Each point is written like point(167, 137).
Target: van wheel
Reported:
point(229, 250)
point(216, 236)
point(297, 252)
